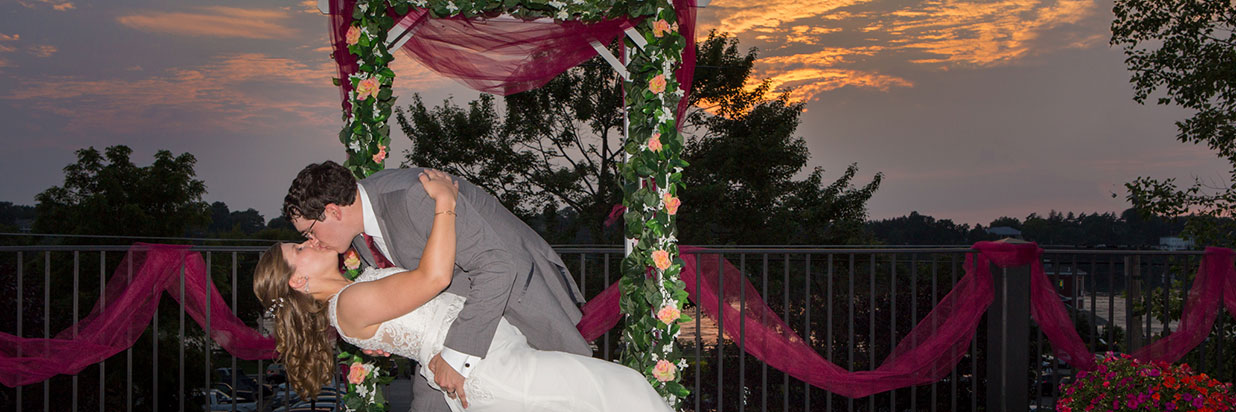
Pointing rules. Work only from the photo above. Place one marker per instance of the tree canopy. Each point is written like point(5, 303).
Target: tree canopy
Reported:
point(106, 194)
point(559, 147)
point(1183, 53)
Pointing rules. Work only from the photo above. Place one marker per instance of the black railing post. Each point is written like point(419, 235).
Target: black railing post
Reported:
point(1008, 341)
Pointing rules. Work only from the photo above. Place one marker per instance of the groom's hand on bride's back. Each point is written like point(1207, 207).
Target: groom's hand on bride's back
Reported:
point(376, 352)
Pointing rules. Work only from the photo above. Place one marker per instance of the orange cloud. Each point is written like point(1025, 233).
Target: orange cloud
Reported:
point(751, 15)
point(983, 33)
point(808, 83)
point(9, 37)
point(215, 21)
point(821, 45)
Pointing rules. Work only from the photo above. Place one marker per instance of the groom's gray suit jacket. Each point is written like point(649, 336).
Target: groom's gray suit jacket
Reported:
point(502, 266)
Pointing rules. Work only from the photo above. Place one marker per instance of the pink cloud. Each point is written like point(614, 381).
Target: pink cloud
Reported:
point(58, 5)
point(43, 50)
point(236, 93)
point(216, 21)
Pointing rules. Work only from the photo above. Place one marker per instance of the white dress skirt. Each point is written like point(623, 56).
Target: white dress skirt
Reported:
point(513, 376)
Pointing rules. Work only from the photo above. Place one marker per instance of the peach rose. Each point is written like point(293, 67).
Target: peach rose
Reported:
point(661, 259)
point(353, 35)
point(664, 371)
point(366, 88)
point(657, 84)
point(351, 261)
point(654, 142)
point(668, 314)
point(357, 373)
point(671, 204)
point(660, 27)
point(380, 155)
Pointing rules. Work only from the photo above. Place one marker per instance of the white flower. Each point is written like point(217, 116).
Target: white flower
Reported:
point(451, 7)
point(563, 15)
point(556, 4)
point(420, 3)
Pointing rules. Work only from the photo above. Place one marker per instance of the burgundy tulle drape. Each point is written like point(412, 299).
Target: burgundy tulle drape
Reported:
point(1200, 309)
point(126, 309)
point(930, 350)
point(926, 354)
point(504, 55)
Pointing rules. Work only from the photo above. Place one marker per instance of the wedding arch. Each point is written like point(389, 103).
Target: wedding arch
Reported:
point(509, 46)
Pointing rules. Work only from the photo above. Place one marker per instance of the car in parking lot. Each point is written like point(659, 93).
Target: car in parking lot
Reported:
point(216, 400)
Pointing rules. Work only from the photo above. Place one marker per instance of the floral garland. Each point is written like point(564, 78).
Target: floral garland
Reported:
point(652, 294)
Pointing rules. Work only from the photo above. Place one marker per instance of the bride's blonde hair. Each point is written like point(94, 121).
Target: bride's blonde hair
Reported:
point(304, 337)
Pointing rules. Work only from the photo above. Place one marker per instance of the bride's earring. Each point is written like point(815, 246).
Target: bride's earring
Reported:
point(304, 285)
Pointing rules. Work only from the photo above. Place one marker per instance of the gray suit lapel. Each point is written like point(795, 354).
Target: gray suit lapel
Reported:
point(404, 235)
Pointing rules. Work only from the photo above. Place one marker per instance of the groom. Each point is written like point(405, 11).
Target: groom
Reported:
point(502, 266)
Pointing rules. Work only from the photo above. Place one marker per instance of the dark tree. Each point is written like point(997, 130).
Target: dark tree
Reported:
point(553, 157)
point(106, 194)
point(1183, 52)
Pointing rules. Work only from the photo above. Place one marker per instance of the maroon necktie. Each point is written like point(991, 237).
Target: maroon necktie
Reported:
point(378, 260)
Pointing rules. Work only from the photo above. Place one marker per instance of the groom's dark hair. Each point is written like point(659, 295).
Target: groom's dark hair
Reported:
point(316, 186)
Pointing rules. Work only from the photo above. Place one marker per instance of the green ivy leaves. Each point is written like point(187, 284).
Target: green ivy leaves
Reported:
point(652, 177)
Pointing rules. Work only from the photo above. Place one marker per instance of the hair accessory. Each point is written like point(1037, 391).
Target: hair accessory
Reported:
point(270, 312)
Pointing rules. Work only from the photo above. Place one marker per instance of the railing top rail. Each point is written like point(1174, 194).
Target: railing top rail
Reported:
point(123, 248)
point(573, 249)
point(1120, 252)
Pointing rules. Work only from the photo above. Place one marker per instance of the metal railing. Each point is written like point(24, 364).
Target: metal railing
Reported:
point(853, 305)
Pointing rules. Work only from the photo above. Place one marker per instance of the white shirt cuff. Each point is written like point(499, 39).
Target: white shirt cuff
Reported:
point(462, 362)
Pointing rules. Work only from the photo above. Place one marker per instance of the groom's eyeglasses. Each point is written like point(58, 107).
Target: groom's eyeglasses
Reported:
point(309, 231)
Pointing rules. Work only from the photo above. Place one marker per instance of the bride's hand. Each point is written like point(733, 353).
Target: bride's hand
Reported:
point(439, 185)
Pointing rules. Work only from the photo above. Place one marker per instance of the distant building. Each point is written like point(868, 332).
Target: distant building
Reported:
point(1175, 243)
point(1069, 280)
point(25, 225)
point(1004, 231)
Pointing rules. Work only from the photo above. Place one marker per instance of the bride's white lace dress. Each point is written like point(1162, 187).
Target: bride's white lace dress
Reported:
point(513, 376)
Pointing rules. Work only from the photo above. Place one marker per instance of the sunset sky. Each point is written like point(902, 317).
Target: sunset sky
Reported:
point(972, 109)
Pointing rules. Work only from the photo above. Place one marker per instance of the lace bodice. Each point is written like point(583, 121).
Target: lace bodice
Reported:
point(417, 335)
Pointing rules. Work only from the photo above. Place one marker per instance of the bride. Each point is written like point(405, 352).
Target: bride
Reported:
point(403, 312)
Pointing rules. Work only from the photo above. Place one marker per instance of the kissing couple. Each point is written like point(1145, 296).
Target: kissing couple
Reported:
point(451, 279)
